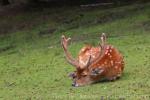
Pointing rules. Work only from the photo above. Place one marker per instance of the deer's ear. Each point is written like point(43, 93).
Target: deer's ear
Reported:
point(97, 71)
point(72, 75)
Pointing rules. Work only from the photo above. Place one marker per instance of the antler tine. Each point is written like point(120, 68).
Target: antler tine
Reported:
point(102, 49)
point(64, 41)
point(103, 39)
point(70, 59)
point(88, 62)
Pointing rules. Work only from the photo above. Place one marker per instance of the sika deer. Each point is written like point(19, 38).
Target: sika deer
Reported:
point(94, 64)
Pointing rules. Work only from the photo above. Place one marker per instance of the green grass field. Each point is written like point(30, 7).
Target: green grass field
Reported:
point(32, 63)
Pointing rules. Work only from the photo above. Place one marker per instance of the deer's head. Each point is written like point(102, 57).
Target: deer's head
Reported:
point(94, 63)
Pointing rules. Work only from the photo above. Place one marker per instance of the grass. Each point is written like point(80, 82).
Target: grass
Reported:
point(32, 63)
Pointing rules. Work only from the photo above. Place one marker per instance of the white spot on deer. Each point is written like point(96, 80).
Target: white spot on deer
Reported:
point(93, 56)
point(107, 48)
point(116, 67)
point(112, 62)
point(112, 47)
point(105, 62)
point(108, 54)
point(110, 50)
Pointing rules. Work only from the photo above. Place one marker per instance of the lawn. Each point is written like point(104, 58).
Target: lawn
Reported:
point(32, 63)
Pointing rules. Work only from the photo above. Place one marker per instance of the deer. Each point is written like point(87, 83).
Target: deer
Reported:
point(94, 64)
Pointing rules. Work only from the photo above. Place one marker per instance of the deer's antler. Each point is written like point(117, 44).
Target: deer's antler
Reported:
point(70, 59)
point(101, 54)
point(90, 62)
